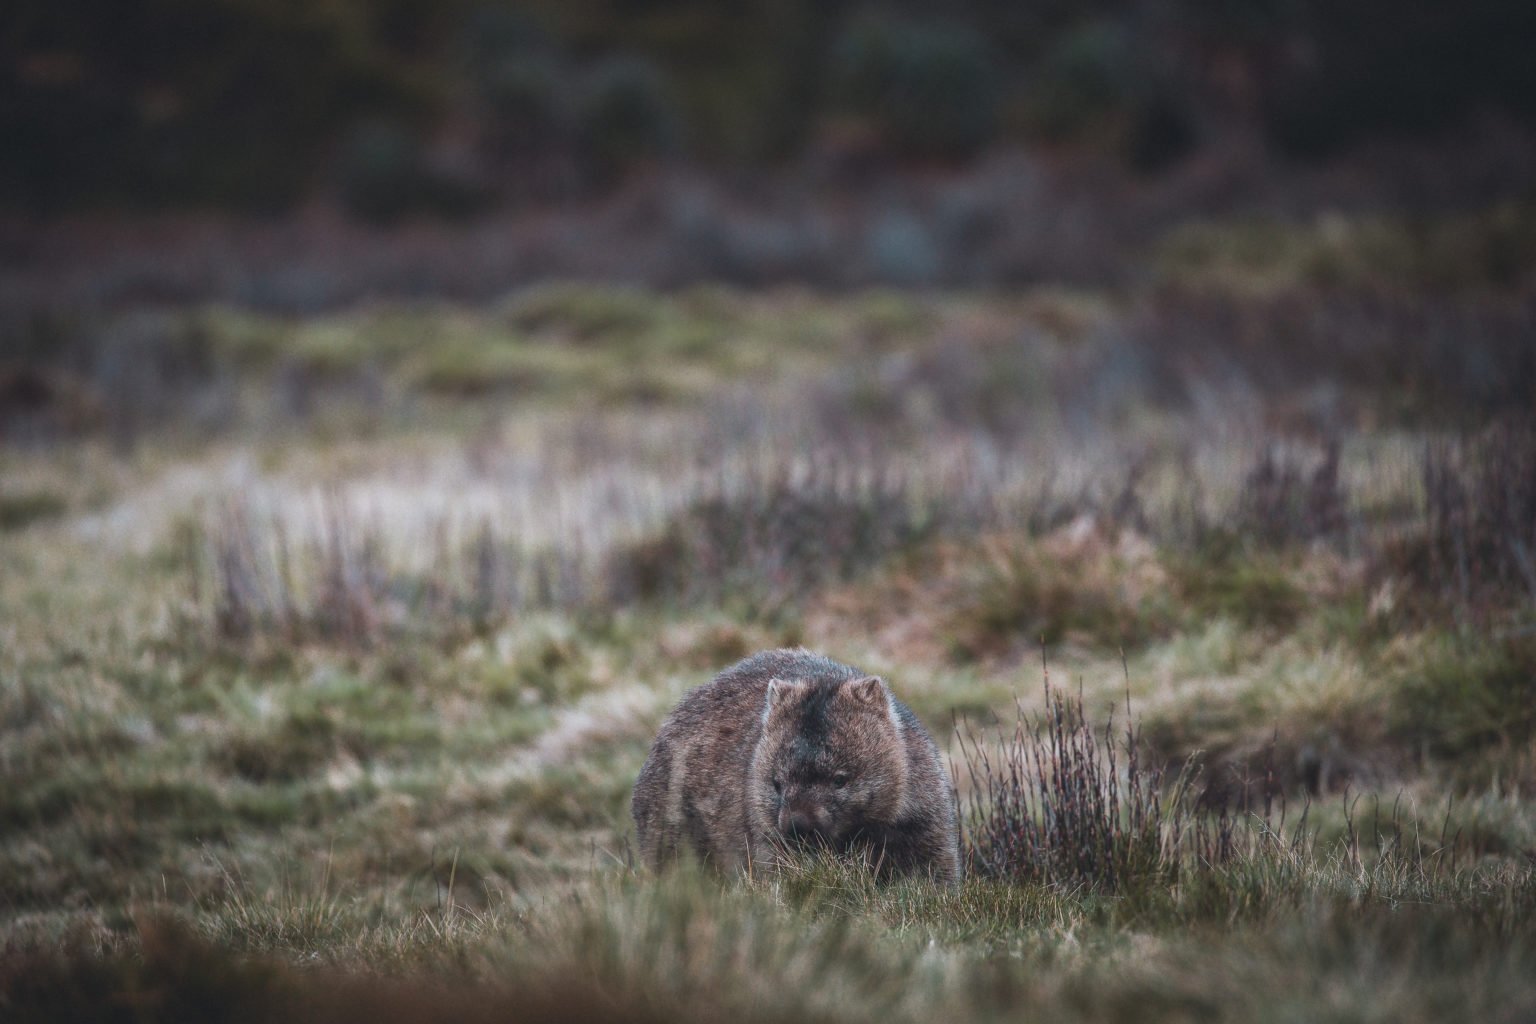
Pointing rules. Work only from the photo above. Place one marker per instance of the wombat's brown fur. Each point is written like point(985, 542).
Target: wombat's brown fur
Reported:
point(788, 749)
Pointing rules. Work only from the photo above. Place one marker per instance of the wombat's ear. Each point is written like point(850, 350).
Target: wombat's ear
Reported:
point(778, 689)
point(869, 690)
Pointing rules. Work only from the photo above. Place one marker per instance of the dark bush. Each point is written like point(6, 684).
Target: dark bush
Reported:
point(492, 35)
point(384, 173)
point(172, 103)
point(626, 116)
point(1384, 67)
point(1103, 83)
point(1086, 77)
point(1159, 134)
point(379, 171)
point(521, 82)
point(930, 89)
point(526, 101)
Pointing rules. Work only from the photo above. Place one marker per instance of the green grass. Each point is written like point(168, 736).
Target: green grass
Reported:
point(1489, 247)
point(1462, 694)
point(1278, 941)
point(428, 818)
point(561, 342)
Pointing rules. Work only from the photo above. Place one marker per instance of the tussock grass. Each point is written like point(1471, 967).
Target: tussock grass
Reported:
point(1048, 806)
point(1057, 802)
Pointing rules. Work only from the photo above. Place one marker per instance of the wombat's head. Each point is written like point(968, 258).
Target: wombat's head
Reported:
point(831, 760)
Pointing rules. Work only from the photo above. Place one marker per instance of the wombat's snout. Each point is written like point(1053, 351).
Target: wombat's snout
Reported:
point(801, 820)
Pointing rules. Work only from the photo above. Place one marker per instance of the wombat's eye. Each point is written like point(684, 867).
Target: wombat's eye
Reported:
point(840, 780)
point(778, 785)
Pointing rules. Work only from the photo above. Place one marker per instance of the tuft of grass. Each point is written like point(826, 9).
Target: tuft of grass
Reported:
point(1026, 593)
point(778, 533)
point(1460, 695)
point(477, 368)
point(19, 511)
point(1281, 502)
point(584, 313)
point(1223, 581)
point(1049, 804)
point(292, 750)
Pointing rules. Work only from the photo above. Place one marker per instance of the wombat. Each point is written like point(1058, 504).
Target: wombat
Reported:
point(789, 750)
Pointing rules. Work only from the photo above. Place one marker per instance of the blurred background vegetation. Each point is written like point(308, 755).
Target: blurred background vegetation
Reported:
point(402, 403)
point(397, 107)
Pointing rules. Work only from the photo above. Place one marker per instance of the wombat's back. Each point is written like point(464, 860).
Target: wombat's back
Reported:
point(691, 792)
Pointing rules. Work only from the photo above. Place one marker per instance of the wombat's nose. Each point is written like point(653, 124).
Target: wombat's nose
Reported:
point(797, 823)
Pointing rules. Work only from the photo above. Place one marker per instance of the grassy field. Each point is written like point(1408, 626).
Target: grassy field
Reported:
point(328, 655)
